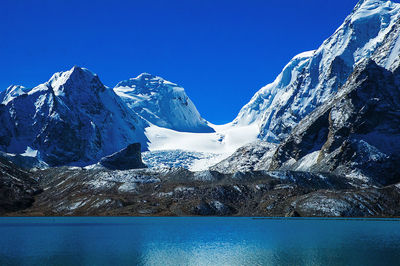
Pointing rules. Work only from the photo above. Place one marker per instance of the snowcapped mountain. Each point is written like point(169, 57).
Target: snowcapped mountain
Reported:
point(311, 78)
point(71, 119)
point(74, 119)
point(162, 103)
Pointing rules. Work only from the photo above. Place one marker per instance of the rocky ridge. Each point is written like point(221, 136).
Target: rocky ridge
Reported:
point(179, 192)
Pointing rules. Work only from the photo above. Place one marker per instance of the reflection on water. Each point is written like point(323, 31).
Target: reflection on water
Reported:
point(198, 241)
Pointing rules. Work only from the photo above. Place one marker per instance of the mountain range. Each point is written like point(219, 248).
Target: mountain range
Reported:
point(331, 114)
point(73, 119)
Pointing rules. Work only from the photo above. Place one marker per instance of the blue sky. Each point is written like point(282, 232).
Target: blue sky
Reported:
point(221, 52)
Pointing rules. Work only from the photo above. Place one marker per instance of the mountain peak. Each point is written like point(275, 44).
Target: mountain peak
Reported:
point(75, 78)
point(365, 3)
point(11, 92)
point(368, 7)
point(82, 70)
point(144, 80)
point(162, 103)
point(12, 88)
point(146, 75)
point(79, 72)
point(370, 31)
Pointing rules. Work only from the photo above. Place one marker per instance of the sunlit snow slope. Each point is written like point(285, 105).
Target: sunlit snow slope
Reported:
point(162, 103)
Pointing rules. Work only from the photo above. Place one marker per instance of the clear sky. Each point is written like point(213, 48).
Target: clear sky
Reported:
point(220, 51)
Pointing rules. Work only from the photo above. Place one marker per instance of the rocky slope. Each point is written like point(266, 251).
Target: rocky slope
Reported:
point(17, 188)
point(178, 192)
point(356, 133)
point(162, 103)
point(252, 157)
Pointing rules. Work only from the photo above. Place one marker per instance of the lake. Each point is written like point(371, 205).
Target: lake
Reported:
point(198, 241)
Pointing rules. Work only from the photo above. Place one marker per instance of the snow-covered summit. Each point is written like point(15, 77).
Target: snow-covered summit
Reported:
point(73, 119)
point(372, 30)
point(162, 103)
point(370, 4)
point(70, 119)
point(311, 79)
point(11, 92)
point(142, 81)
point(75, 80)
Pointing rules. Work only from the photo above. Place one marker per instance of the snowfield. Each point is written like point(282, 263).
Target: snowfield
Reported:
point(195, 151)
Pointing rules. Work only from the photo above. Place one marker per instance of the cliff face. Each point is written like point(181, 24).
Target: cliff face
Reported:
point(356, 134)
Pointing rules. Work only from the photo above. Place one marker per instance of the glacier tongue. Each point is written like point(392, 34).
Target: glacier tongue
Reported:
point(198, 150)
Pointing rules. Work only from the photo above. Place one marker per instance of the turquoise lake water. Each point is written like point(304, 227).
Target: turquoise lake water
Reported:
point(198, 241)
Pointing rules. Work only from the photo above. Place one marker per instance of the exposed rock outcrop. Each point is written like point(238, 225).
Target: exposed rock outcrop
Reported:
point(125, 159)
